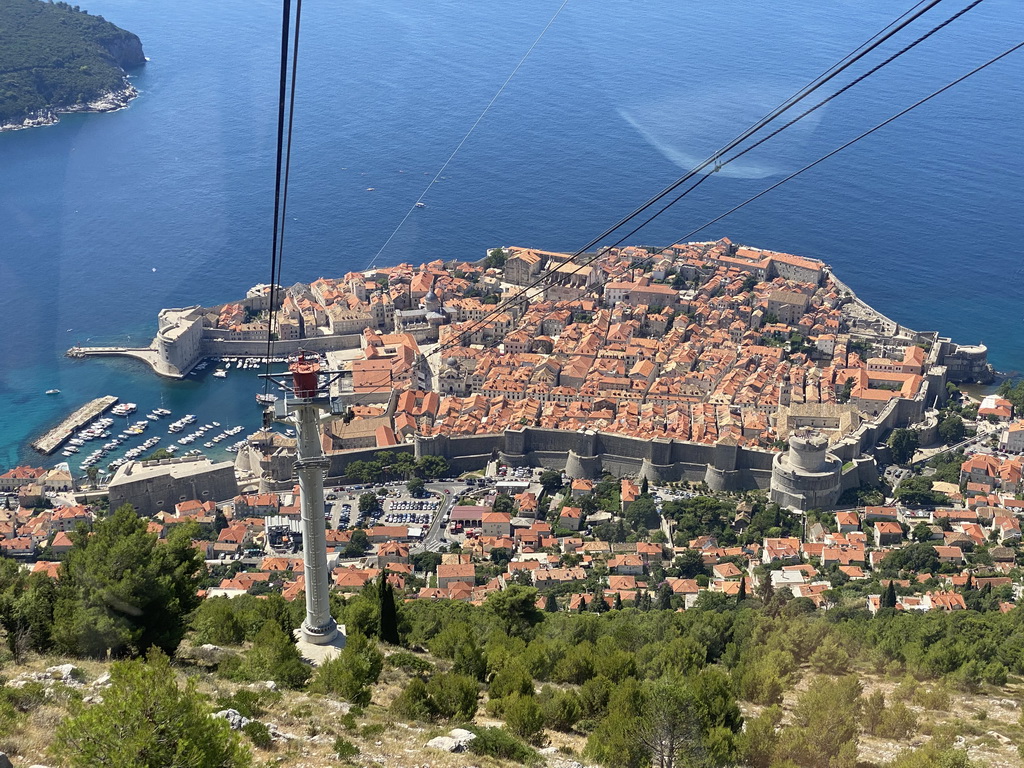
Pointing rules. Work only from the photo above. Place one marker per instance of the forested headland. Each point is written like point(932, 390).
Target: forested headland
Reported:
point(56, 57)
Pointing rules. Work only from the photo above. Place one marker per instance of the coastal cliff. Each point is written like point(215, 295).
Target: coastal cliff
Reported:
point(56, 58)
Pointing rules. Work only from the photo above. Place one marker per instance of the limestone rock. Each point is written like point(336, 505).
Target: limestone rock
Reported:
point(64, 672)
point(103, 681)
point(445, 743)
point(235, 718)
point(461, 736)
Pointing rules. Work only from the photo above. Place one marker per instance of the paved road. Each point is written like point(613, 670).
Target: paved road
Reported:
point(435, 534)
point(985, 431)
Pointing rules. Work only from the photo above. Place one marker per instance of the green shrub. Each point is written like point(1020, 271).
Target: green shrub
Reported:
point(444, 697)
point(410, 662)
point(26, 698)
point(229, 666)
point(499, 743)
point(453, 697)
point(258, 734)
point(372, 731)
point(414, 703)
point(524, 718)
point(350, 673)
point(898, 722)
point(345, 749)
point(214, 621)
point(561, 708)
point(594, 695)
point(273, 656)
point(934, 698)
point(512, 679)
point(147, 721)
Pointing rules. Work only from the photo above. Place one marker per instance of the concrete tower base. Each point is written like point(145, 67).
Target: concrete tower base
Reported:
point(319, 635)
point(317, 653)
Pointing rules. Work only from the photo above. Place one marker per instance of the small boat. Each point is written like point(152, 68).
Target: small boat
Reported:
point(421, 205)
point(266, 399)
point(53, 391)
point(220, 373)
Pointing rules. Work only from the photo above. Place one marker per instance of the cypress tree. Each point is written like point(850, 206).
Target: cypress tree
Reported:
point(743, 590)
point(889, 596)
point(550, 604)
point(643, 601)
point(388, 613)
point(644, 486)
point(617, 605)
point(664, 598)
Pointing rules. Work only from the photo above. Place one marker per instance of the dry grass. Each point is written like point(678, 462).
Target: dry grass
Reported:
point(987, 723)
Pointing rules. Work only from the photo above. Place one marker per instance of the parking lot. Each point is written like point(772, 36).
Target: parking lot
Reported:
point(397, 506)
point(519, 473)
point(409, 511)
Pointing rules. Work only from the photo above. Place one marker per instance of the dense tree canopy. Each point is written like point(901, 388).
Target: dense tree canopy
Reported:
point(904, 443)
point(54, 55)
point(121, 590)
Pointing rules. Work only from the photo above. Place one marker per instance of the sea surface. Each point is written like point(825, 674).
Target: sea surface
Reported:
point(104, 219)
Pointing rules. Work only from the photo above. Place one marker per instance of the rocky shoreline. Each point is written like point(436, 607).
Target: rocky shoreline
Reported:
point(108, 102)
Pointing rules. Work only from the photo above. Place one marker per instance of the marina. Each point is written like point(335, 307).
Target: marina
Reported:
point(118, 447)
point(55, 437)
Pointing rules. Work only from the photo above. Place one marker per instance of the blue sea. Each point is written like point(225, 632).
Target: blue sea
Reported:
point(104, 219)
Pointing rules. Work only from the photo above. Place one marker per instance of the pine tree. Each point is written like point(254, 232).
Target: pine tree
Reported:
point(388, 613)
point(121, 592)
point(146, 721)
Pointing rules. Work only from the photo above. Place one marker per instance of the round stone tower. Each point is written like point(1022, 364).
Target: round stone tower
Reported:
point(806, 476)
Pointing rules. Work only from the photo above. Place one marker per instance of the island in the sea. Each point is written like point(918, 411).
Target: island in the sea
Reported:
point(56, 58)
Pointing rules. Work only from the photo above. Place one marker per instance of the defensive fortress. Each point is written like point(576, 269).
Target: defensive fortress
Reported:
point(697, 362)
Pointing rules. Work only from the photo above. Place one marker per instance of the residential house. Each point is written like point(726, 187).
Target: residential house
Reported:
point(447, 575)
point(952, 555)
point(888, 534)
point(626, 565)
point(570, 518)
point(496, 524)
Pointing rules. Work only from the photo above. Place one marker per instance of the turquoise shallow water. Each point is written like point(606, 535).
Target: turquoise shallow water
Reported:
point(106, 218)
